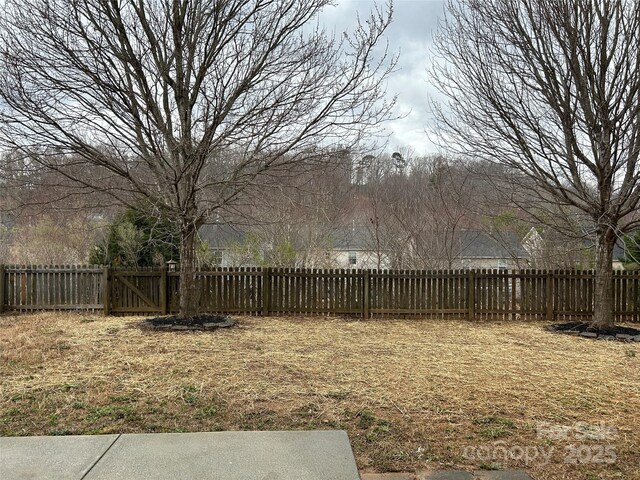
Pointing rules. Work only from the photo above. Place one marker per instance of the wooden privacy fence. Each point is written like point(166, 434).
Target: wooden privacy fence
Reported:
point(51, 287)
point(476, 294)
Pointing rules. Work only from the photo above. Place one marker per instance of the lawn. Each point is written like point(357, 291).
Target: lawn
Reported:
point(412, 394)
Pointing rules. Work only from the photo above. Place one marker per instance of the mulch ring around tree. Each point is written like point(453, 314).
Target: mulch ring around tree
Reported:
point(198, 322)
point(585, 329)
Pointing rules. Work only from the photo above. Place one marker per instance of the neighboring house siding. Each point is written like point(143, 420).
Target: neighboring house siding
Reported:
point(355, 241)
point(364, 259)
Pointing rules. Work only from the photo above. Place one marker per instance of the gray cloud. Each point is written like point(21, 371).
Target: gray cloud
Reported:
point(410, 35)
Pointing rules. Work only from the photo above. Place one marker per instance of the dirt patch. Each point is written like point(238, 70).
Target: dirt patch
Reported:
point(585, 329)
point(198, 322)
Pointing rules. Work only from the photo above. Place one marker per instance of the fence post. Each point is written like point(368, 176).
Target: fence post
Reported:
point(550, 314)
point(636, 297)
point(471, 294)
point(23, 286)
point(106, 291)
point(2, 300)
point(266, 291)
point(365, 294)
point(163, 290)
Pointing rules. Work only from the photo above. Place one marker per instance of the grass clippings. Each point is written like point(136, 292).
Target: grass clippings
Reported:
point(412, 394)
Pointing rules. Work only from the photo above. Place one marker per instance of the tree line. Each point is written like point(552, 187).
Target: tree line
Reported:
point(410, 213)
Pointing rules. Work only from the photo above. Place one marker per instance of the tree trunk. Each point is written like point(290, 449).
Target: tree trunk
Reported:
point(603, 307)
point(188, 294)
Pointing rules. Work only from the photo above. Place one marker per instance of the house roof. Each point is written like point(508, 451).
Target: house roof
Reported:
point(221, 235)
point(479, 244)
point(618, 249)
point(351, 238)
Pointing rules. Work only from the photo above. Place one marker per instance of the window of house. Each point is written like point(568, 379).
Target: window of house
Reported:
point(216, 257)
point(353, 259)
point(502, 264)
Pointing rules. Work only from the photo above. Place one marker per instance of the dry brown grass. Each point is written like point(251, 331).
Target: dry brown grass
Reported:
point(411, 393)
point(30, 342)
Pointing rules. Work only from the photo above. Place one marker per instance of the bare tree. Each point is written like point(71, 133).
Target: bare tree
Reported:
point(415, 215)
point(551, 90)
point(446, 199)
point(5, 238)
point(371, 209)
point(184, 103)
point(49, 241)
point(298, 211)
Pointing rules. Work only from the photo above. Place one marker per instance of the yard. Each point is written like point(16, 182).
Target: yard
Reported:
point(412, 394)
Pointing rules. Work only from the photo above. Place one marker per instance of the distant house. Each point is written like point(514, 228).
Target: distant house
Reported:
point(552, 250)
point(224, 242)
point(355, 248)
point(618, 253)
point(479, 249)
point(348, 248)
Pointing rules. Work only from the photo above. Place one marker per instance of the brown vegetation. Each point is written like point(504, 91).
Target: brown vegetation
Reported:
point(411, 393)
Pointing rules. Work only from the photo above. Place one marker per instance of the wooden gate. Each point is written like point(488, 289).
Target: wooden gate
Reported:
point(137, 292)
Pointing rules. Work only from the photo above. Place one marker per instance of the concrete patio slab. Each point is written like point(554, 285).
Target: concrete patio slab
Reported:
point(53, 458)
point(307, 455)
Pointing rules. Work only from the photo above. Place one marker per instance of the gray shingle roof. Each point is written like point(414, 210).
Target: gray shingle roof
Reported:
point(221, 236)
point(351, 238)
point(479, 244)
point(618, 249)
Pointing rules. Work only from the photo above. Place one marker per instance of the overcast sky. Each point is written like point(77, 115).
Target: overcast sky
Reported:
point(410, 35)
